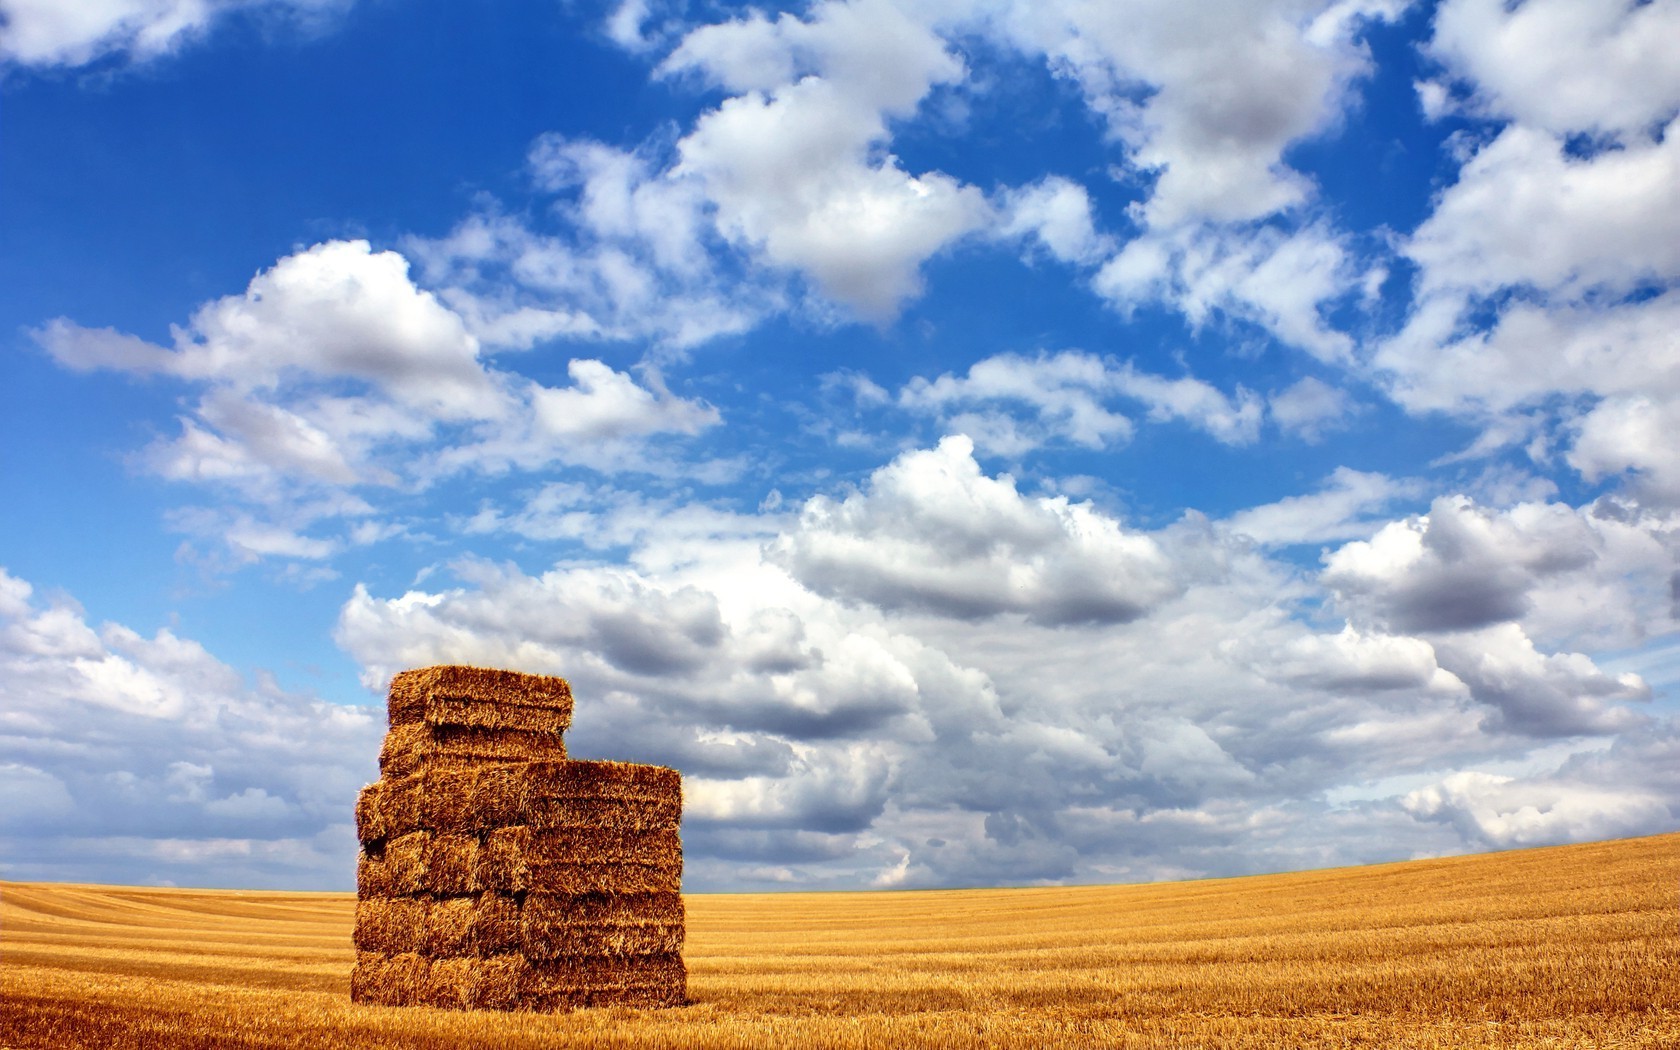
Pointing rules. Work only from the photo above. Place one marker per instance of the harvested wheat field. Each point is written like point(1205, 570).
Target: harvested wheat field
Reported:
point(1571, 946)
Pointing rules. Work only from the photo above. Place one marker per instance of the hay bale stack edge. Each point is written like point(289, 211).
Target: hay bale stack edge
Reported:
point(496, 873)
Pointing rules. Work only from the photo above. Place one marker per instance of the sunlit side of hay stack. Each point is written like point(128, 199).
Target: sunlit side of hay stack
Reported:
point(495, 873)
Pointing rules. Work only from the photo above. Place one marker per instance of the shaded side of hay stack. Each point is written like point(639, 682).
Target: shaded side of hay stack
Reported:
point(497, 874)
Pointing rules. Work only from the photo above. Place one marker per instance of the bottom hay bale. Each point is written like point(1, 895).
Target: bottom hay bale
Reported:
point(629, 980)
point(511, 982)
point(390, 980)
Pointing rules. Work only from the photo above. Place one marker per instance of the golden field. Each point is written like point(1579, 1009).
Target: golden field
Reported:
point(1573, 946)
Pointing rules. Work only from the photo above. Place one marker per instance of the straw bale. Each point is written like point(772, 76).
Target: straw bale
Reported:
point(390, 924)
point(417, 747)
point(451, 861)
point(371, 825)
point(633, 924)
point(477, 696)
point(496, 924)
point(580, 860)
point(477, 983)
point(449, 927)
point(546, 795)
point(635, 980)
point(581, 794)
point(578, 877)
point(390, 980)
point(392, 868)
point(418, 863)
point(601, 845)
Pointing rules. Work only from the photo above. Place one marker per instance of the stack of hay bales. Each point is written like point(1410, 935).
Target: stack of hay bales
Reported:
point(496, 873)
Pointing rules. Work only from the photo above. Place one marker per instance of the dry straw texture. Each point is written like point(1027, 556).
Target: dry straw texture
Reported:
point(418, 747)
point(541, 795)
point(496, 874)
point(482, 698)
point(1570, 948)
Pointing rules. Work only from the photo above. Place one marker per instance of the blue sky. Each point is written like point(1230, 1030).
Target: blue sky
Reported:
point(977, 442)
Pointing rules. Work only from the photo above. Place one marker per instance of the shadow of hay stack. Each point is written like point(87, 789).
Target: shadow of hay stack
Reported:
point(496, 873)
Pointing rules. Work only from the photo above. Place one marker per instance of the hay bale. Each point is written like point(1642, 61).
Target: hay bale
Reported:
point(417, 863)
point(553, 925)
point(494, 873)
point(545, 795)
point(495, 924)
point(480, 697)
point(419, 746)
point(390, 980)
point(640, 980)
point(579, 861)
point(390, 925)
point(579, 794)
point(477, 983)
point(448, 927)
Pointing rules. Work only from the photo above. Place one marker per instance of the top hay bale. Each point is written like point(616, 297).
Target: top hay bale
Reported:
point(478, 697)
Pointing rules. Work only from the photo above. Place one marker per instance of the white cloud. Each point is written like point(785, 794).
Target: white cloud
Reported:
point(334, 371)
point(1064, 391)
point(795, 163)
point(1544, 279)
point(1066, 394)
point(1341, 510)
point(75, 32)
point(635, 259)
point(932, 532)
point(940, 666)
point(117, 742)
point(1558, 694)
point(1232, 420)
point(1631, 435)
point(1208, 93)
point(1565, 65)
point(1524, 212)
point(1056, 214)
point(1502, 812)
point(1309, 407)
point(1279, 280)
point(1356, 661)
point(1596, 575)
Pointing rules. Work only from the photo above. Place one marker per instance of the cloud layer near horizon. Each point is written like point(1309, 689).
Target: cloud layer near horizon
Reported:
point(908, 619)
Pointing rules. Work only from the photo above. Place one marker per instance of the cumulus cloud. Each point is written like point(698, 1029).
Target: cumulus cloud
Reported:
point(1280, 280)
point(1503, 812)
point(1558, 694)
point(1559, 233)
point(1343, 508)
point(795, 162)
point(1596, 574)
point(48, 33)
point(1054, 214)
point(1207, 94)
point(841, 684)
point(146, 759)
point(931, 531)
point(1564, 65)
point(334, 371)
point(1310, 407)
point(632, 259)
point(1010, 403)
point(1459, 567)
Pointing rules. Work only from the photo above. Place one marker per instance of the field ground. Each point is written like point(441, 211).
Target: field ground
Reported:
point(1573, 946)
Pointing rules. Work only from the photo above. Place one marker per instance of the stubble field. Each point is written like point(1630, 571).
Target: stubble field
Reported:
point(1571, 946)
